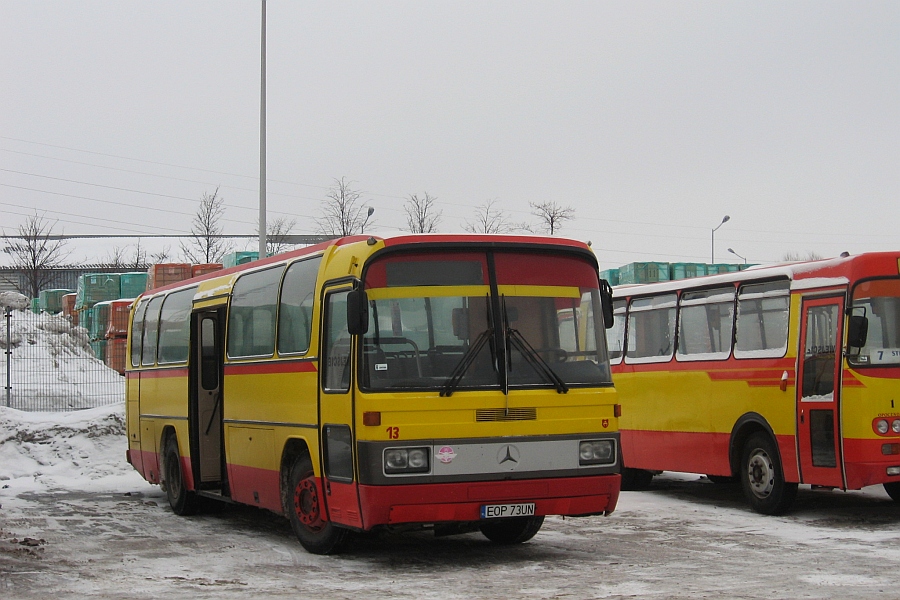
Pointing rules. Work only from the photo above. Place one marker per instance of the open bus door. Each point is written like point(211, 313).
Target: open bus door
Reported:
point(205, 414)
point(818, 392)
point(336, 430)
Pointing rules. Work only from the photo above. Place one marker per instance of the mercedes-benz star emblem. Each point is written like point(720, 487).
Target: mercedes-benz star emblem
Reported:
point(508, 455)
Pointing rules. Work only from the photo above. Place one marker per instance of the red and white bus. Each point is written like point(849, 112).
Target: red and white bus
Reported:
point(777, 376)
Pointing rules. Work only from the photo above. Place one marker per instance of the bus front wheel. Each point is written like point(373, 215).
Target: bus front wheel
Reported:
point(893, 490)
point(513, 530)
point(304, 508)
point(181, 500)
point(762, 477)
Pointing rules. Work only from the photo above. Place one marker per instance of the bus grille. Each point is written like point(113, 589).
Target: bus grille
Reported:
point(502, 414)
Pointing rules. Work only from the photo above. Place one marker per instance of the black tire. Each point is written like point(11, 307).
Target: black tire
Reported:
point(636, 479)
point(893, 490)
point(513, 530)
point(182, 501)
point(303, 507)
point(762, 477)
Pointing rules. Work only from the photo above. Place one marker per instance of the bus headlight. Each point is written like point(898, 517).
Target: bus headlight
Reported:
point(596, 452)
point(895, 425)
point(405, 460)
point(881, 426)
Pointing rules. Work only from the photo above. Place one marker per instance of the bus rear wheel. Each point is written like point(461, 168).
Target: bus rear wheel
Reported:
point(181, 500)
point(306, 512)
point(762, 477)
point(514, 530)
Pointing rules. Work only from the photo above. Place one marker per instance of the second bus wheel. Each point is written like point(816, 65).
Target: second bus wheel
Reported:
point(182, 501)
point(893, 490)
point(304, 509)
point(514, 530)
point(762, 477)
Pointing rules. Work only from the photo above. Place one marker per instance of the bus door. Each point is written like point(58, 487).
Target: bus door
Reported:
point(336, 366)
point(206, 399)
point(818, 392)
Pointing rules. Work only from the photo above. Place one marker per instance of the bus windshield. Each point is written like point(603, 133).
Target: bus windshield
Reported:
point(441, 323)
point(879, 302)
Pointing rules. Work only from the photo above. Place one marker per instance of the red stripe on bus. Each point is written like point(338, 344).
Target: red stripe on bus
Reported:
point(157, 373)
point(270, 367)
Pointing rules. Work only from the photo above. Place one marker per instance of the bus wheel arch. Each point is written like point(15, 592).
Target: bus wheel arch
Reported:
point(744, 427)
point(182, 501)
point(303, 503)
point(761, 469)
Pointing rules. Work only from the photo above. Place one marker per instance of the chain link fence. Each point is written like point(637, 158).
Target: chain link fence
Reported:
point(48, 364)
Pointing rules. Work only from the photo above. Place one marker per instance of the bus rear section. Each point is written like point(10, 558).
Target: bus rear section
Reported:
point(772, 377)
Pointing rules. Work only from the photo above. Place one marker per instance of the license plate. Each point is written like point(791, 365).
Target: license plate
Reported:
point(497, 511)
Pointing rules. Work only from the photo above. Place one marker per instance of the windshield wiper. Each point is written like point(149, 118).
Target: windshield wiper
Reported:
point(534, 359)
point(465, 362)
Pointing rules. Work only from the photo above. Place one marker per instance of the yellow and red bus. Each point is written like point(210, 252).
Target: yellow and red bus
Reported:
point(459, 383)
point(776, 376)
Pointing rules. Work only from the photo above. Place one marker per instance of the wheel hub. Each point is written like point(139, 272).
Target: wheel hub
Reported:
point(761, 474)
point(306, 503)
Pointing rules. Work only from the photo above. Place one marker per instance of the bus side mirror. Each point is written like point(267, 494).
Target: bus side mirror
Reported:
point(857, 331)
point(357, 312)
point(606, 301)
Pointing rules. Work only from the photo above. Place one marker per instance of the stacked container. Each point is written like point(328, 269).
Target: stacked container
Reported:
point(97, 287)
point(198, 270)
point(166, 273)
point(610, 275)
point(239, 258)
point(643, 272)
point(68, 307)
point(50, 301)
point(115, 354)
point(133, 284)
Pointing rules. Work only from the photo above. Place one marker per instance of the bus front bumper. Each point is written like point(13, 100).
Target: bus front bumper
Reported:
point(461, 502)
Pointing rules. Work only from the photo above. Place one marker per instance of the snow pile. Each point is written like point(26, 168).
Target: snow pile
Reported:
point(53, 366)
point(82, 450)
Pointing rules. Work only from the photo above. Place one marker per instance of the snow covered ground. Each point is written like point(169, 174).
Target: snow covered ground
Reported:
point(77, 521)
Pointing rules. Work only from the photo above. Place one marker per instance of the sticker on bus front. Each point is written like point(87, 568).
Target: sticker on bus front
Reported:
point(499, 511)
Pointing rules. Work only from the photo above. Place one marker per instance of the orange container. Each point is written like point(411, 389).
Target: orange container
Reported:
point(118, 318)
point(115, 354)
point(68, 307)
point(197, 270)
point(166, 273)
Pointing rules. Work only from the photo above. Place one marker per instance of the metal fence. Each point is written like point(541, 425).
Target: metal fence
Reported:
point(48, 365)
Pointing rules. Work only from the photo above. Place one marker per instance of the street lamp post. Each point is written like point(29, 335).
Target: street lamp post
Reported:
point(262, 137)
point(738, 255)
point(712, 254)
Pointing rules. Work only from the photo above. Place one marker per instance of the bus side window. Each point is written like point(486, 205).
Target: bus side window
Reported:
point(137, 333)
point(174, 326)
point(336, 364)
point(706, 324)
point(298, 292)
point(762, 320)
point(151, 332)
point(251, 320)
point(615, 335)
point(651, 329)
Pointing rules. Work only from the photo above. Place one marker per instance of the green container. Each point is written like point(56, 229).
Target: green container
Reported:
point(97, 287)
point(238, 258)
point(99, 348)
point(723, 268)
point(51, 300)
point(610, 275)
point(86, 318)
point(687, 270)
point(35, 306)
point(643, 272)
point(132, 285)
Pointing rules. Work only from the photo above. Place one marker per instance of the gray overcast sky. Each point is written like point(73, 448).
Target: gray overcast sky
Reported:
point(652, 120)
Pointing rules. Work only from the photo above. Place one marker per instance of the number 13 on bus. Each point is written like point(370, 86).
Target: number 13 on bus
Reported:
point(458, 383)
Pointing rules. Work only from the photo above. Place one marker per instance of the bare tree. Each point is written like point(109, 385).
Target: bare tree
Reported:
point(796, 257)
point(551, 215)
point(421, 214)
point(488, 218)
point(343, 213)
point(278, 230)
point(162, 255)
point(205, 244)
point(115, 257)
point(36, 252)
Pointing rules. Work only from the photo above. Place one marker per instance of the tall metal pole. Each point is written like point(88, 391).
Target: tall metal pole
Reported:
point(712, 253)
point(262, 137)
point(8, 312)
